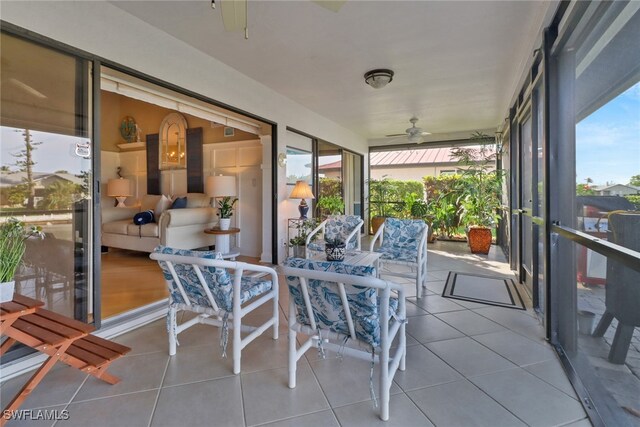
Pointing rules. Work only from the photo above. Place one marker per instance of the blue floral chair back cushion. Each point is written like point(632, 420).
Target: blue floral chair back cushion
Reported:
point(341, 226)
point(403, 233)
point(327, 306)
point(218, 280)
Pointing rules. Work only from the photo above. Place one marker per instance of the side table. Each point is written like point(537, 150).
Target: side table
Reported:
point(222, 241)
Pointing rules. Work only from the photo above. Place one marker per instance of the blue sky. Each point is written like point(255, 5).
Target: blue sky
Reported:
point(608, 141)
point(57, 152)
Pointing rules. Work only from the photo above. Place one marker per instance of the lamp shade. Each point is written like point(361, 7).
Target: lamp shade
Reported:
point(220, 186)
point(119, 187)
point(301, 191)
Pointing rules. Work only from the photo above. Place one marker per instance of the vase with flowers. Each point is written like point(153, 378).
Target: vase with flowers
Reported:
point(13, 235)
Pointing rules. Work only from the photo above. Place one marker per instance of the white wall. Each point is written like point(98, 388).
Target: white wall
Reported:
point(109, 32)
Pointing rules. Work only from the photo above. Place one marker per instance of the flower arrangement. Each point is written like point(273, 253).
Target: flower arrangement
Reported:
point(13, 235)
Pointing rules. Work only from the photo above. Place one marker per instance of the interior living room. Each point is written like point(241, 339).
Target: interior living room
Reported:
point(128, 129)
point(201, 147)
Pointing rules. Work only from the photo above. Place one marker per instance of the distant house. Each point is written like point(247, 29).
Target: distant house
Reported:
point(405, 165)
point(616, 190)
point(42, 180)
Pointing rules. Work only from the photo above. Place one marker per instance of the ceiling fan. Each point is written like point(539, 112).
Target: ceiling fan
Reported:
point(414, 134)
point(234, 12)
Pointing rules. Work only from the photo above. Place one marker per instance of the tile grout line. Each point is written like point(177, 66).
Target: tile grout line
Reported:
point(244, 412)
point(155, 403)
point(72, 397)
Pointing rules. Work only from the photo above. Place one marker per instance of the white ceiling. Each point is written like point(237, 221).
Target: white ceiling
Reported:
point(457, 63)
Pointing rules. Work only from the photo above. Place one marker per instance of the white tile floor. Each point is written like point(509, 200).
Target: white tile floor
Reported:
point(467, 364)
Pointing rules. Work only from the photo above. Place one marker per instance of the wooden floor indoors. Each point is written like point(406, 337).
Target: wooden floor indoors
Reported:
point(131, 280)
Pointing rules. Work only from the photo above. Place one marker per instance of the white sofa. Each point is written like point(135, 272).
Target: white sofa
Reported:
point(177, 228)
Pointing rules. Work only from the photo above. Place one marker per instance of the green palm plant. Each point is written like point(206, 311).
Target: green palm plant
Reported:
point(225, 207)
point(13, 235)
point(482, 184)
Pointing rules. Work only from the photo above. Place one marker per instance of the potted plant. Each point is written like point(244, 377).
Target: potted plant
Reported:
point(225, 211)
point(480, 200)
point(379, 190)
point(299, 242)
point(13, 235)
point(335, 249)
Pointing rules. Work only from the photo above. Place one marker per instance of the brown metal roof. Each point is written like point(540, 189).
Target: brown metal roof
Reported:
point(420, 156)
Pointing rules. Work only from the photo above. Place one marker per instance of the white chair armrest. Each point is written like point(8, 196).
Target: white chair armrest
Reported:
point(315, 231)
point(353, 233)
point(375, 237)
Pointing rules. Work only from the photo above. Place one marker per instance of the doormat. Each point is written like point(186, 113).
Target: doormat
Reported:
point(488, 290)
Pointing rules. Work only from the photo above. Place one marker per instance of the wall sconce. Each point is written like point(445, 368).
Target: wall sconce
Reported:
point(282, 160)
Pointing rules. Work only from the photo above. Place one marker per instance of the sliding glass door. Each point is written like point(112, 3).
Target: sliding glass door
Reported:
point(595, 198)
point(339, 180)
point(47, 171)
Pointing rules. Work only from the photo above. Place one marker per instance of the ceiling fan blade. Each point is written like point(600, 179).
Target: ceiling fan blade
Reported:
point(332, 5)
point(425, 133)
point(397, 134)
point(234, 14)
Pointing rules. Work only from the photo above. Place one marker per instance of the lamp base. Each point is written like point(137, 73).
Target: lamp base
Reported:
point(120, 202)
point(303, 208)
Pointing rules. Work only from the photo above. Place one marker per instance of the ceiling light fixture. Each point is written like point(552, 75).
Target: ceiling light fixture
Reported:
point(378, 78)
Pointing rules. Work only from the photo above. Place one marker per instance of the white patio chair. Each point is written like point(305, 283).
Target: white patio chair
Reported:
point(199, 281)
point(403, 242)
point(344, 308)
point(344, 227)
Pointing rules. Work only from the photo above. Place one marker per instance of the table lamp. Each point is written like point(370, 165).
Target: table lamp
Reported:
point(224, 187)
point(220, 186)
point(302, 191)
point(120, 188)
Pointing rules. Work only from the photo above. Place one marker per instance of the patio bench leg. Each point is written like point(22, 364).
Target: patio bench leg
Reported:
point(32, 383)
point(603, 325)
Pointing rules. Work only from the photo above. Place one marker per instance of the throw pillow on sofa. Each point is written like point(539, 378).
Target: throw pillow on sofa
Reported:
point(142, 218)
point(179, 203)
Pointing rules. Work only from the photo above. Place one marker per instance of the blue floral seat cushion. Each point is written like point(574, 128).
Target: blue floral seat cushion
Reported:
point(327, 306)
point(316, 246)
point(338, 226)
point(403, 233)
point(397, 253)
point(218, 281)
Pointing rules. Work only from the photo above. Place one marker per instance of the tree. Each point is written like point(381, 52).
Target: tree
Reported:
point(584, 190)
point(86, 183)
point(60, 195)
point(5, 168)
point(635, 180)
point(17, 194)
point(25, 164)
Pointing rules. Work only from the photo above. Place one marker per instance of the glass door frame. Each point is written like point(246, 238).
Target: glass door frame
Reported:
point(531, 102)
point(316, 171)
